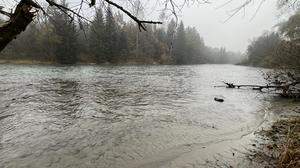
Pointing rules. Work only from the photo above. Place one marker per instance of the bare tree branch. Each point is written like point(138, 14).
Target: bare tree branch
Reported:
point(139, 22)
point(5, 13)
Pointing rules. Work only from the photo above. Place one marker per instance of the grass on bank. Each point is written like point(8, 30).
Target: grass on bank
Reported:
point(281, 147)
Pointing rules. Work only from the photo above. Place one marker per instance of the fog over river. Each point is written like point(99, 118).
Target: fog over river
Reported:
point(125, 116)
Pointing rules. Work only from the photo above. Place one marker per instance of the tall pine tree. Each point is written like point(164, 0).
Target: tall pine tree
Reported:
point(66, 49)
point(111, 36)
point(180, 45)
point(171, 30)
point(96, 38)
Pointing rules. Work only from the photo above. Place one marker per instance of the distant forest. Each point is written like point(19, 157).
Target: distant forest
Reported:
point(109, 39)
point(277, 49)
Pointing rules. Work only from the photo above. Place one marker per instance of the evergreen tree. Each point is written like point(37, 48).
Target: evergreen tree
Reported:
point(96, 38)
point(66, 50)
point(121, 44)
point(111, 36)
point(160, 34)
point(194, 47)
point(159, 37)
point(171, 30)
point(180, 45)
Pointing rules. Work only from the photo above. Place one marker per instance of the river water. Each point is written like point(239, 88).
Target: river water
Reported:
point(125, 116)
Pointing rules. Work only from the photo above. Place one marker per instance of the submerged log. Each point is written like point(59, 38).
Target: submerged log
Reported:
point(218, 99)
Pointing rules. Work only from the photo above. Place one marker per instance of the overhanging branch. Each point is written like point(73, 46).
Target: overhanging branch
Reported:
point(138, 21)
point(5, 13)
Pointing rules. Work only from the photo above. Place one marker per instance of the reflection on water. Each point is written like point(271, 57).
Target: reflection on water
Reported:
point(122, 116)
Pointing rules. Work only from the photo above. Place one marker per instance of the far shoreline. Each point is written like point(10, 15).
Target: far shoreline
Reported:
point(53, 63)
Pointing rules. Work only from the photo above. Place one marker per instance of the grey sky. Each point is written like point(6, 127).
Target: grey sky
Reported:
point(236, 33)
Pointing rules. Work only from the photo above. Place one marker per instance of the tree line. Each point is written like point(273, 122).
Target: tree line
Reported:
point(279, 49)
point(108, 38)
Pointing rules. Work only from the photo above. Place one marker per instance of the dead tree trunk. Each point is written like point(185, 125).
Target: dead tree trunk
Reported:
point(17, 23)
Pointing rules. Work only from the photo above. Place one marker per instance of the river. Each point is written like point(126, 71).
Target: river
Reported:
point(125, 116)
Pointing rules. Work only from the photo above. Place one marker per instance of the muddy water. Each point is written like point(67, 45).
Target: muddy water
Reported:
point(124, 116)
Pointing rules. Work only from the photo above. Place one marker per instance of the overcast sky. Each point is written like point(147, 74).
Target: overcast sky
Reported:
point(237, 31)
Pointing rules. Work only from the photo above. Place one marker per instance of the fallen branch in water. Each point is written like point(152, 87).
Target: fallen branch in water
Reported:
point(286, 90)
point(255, 87)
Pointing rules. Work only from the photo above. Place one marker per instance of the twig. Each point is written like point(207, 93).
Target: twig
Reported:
point(138, 21)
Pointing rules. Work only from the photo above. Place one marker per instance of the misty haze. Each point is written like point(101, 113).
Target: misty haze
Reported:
point(149, 83)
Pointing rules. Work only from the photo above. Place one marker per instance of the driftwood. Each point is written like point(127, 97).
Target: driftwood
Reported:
point(286, 90)
point(254, 87)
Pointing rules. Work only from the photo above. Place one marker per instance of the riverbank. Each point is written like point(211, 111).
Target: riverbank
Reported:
point(279, 144)
point(26, 62)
